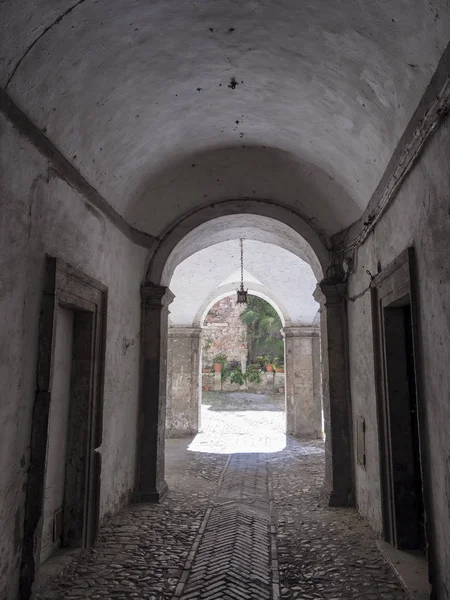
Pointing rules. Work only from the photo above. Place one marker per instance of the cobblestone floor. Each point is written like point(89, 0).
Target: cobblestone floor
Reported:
point(233, 502)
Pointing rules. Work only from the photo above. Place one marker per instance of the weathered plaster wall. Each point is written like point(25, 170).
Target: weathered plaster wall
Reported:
point(41, 214)
point(183, 381)
point(419, 217)
point(57, 428)
point(303, 403)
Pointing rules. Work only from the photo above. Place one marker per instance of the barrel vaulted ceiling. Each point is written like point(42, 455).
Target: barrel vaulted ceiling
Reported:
point(165, 105)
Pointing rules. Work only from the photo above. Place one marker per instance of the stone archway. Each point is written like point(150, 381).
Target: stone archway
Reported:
point(185, 352)
point(272, 219)
point(195, 232)
point(253, 288)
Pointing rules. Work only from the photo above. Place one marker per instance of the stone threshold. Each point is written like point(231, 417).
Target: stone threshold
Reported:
point(411, 568)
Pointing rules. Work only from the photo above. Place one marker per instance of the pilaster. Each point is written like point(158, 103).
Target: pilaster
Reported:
point(183, 382)
point(339, 479)
point(155, 300)
point(303, 406)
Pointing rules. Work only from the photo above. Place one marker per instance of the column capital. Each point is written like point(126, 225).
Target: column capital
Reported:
point(330, 293)
point(181, 331)
point(155, 296)
point(299, 331)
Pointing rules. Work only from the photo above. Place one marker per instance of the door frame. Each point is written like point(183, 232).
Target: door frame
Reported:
point(392, 284)
point(69, 288)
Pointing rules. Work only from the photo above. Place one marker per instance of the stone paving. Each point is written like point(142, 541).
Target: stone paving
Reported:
point(237, 524)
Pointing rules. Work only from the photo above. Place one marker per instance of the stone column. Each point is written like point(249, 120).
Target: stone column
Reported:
point(317, 376)
point(217, 382)
point(152, 417)
point(183, 381)
point(303, 406)
point(339, 478)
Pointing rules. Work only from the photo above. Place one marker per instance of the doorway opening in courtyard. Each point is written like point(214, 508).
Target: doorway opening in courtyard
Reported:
point(243, 389)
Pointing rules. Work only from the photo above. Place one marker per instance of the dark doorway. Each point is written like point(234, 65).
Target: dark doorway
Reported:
point(63, 488)
point(71, 481)
point(403, 440)
point(407, 530)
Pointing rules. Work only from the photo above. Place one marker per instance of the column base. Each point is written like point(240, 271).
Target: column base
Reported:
point(341, 498)
point(306, 435)
point(181, 433)
point(154, 496)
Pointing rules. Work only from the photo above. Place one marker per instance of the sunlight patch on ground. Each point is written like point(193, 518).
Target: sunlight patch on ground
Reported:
point(230, 432)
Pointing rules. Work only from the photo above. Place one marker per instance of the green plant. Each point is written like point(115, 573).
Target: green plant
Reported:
point(253, 374)
point(263, 327)
point(228, 368)
point(262, 360)
point(278, 363)
point(237, 376)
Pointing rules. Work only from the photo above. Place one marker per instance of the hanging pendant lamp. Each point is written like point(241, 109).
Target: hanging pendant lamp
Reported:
point(241, 293)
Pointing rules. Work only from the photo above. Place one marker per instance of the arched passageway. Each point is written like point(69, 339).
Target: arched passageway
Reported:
point(181, 243)
point(272, 273)
point(134, 135)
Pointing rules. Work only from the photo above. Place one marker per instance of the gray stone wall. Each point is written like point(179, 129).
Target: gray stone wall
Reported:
point(270, 382)
point(223, 331)
point(42, 214)
point(418, 217)
point(303, 399)
point(183, 381)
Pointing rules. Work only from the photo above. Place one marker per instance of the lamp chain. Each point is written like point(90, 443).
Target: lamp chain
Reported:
point(242, 263)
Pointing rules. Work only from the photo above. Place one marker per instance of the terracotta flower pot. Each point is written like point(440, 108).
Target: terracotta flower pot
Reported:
point(279, 370)
point(269, 368)
point(206, 370)
point(218, 367)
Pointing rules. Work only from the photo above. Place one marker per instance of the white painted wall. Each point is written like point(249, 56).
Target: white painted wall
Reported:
point(57, 431)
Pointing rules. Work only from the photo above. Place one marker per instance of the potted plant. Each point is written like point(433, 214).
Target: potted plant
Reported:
point(267, 364)
point(228, 368)
point(219, 361)
point(279, 366)
point(264, 362)
point(206, 369)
